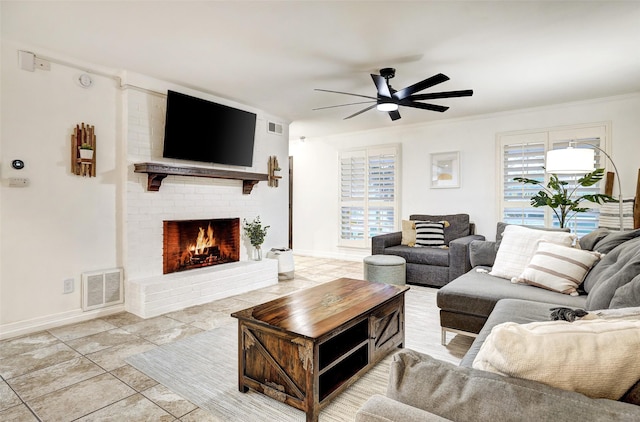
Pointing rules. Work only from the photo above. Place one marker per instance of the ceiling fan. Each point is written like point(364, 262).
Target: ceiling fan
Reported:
point(389, 99)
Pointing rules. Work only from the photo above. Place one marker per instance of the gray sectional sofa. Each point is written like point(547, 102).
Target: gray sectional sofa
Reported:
point(422, 388)
point(432, 266)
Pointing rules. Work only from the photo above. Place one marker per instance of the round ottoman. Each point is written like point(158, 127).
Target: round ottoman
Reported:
point(388, 269)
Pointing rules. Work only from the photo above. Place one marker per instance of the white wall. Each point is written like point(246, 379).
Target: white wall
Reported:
point(62, 225)
point(316, 172)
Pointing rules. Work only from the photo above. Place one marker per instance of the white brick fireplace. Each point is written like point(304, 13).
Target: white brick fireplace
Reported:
point(153, 296)
point(148, 292)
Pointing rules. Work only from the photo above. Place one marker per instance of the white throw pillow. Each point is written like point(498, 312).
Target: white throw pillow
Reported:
point(597, 358)
point(558, 268)
point(518, 246)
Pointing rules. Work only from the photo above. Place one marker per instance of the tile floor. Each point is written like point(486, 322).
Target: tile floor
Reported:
point(78, 372)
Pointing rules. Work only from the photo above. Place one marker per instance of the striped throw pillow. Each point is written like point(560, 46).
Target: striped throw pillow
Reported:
point(610, 215)
point(558, 268)
point(430, 233)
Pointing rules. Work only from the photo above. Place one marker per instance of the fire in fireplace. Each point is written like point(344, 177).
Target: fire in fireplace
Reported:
point(190, 244)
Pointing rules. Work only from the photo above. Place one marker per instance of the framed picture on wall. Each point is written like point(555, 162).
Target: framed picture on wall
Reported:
point(445, 170)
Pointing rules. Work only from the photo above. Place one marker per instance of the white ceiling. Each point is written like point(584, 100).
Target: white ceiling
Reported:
point(272, 54)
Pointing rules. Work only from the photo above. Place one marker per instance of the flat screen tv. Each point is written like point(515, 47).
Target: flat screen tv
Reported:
point(201, 130)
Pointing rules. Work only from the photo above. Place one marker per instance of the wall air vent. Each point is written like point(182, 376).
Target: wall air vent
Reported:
point(275, 128)
point(102, 288)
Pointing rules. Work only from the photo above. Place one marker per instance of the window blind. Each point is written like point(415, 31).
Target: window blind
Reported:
point(368, 194)
point(523, 155)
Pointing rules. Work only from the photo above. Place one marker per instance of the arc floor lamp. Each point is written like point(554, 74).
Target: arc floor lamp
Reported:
point(573, 160)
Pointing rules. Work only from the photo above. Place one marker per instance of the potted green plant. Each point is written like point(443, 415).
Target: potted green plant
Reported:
point(86, 151)
point(256, 234)
point(558, 196)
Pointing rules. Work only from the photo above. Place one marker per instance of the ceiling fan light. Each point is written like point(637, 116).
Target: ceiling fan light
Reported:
point(387, 107)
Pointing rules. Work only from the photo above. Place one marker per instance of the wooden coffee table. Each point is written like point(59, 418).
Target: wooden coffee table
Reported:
point(305, 348)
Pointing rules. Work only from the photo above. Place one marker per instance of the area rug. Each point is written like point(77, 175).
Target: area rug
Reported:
point(204, 370)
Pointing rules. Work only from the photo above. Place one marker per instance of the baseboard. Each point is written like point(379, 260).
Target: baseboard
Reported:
point(352, 255)
point(34, 325)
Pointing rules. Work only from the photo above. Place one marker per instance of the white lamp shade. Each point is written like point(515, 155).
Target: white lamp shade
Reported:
point(570, 160)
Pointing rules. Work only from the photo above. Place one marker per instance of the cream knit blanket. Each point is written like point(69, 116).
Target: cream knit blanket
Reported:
point(599, 358)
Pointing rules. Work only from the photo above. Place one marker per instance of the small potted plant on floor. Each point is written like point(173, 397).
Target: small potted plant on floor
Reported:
point(256, 233)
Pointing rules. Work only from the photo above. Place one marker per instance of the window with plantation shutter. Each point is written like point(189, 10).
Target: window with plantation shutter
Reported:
point(522, 154)
point(368, 194)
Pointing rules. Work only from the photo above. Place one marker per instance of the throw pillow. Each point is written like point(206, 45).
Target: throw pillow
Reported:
point(482, 252)
point(518, 246)
point(589, 241)
point(408, 233)
point(597, 358)
point(615, 239)
point(558, 268)
point(610, 215)
point(430, 233)
point(502, 225)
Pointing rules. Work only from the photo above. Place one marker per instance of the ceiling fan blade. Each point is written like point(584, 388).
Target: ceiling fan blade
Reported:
point(417, 87)
point(381, 84)
point(395, 115)
point(342, 105)
point(347, 93)
point(423, 106)
point(447, 94)
point(360, 112)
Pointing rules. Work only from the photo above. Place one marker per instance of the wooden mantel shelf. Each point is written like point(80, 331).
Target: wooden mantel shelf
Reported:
point(157, 172)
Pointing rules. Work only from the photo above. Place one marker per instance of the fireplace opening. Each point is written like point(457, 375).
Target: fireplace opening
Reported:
point(190, 244)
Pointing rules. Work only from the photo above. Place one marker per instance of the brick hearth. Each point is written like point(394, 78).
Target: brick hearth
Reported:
point(153, 296)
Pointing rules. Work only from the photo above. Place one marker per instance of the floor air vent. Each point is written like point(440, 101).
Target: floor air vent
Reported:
point(102, 288)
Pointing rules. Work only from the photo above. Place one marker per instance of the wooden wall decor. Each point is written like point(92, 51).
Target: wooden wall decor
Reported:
point(608, 185)
point(273, 167)
point(83, 150)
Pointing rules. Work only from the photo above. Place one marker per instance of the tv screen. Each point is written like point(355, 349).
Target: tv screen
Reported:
point(201, 130)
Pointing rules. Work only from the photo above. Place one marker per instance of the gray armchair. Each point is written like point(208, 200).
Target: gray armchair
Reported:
point(432, 266)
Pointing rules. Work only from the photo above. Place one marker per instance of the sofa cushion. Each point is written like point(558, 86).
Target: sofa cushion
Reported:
point(425, 256)
point(518, 246)
point(476, 293)
point(430, 233)
point(615, 269)
point(508, 310)
point(595, 357)
point(458, 224)
point(614, 239)
point(379, 408)
point(628, 295)
point(465, 394)
point(589, 240)
point(558, 268)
